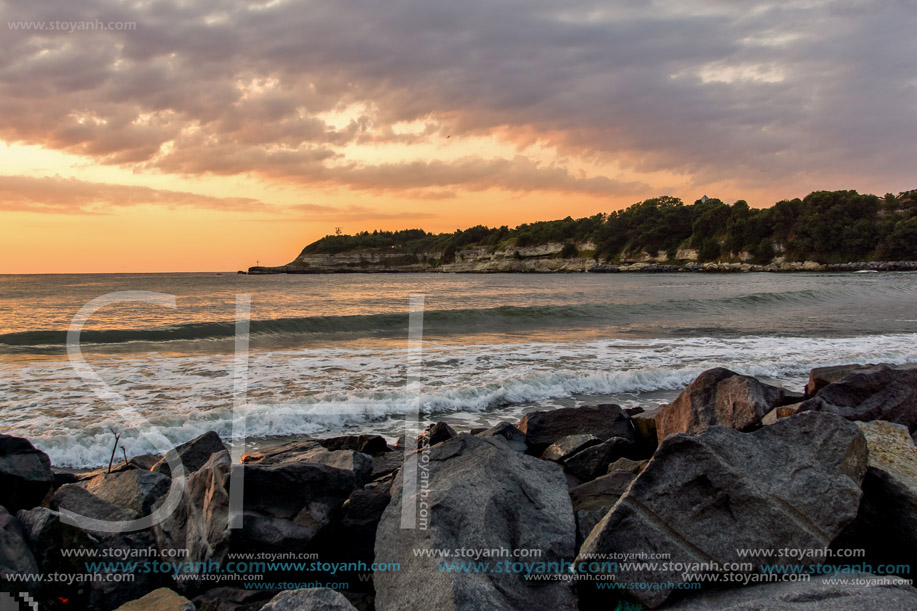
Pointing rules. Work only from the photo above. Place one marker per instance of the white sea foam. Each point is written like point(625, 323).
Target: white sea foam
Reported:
point(321, 392)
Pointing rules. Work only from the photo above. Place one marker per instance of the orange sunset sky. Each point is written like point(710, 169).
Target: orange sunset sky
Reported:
point(187, 136)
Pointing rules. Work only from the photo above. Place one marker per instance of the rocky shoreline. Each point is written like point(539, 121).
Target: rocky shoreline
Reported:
point(721, 500)
point(568, 266)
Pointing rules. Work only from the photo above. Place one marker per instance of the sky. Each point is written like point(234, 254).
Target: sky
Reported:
point(192, 135)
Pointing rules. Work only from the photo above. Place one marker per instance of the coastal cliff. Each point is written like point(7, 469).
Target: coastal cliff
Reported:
point(825, 231)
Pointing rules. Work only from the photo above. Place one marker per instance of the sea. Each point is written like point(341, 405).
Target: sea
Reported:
point(266, 359)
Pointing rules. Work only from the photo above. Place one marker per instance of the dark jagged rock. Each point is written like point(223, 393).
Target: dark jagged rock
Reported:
point(313, 451)
point(386, 464)
point(543, 428)
point(366, 444)
point(646, 438)
point(822, 376)
point(313, 599)
point(193, 454)
point(795, 484)
point(439, 433)
point(886, 524)
point(15, 555)
point(481, 494)
point(882, 392)
point(592, 500)
point(822, 593)
point(513, 436)
point(25, 474)
point(568, 446)
point(718, 397)
point(593, 461)
point(351, 538)
point(285, 506)
point(48, 535)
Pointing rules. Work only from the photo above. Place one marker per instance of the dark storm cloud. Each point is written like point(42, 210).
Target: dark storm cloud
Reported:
point(758, 92)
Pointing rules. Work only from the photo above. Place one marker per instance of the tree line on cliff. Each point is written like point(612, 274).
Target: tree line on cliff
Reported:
point(824, 226)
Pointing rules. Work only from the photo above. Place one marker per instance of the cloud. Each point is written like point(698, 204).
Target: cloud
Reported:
point(72, 196)
point(755, 92)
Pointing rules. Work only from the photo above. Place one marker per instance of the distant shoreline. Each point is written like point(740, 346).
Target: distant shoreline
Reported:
point(639, 268)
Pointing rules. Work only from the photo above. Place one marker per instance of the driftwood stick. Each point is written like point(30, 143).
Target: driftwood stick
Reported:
point(114, 448)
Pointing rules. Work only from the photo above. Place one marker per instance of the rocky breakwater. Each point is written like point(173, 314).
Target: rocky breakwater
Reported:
point(537, 514)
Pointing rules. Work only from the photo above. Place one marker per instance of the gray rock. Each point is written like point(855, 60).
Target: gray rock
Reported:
point(718, 397)
point(593, 461)
point(193, 454)
point(795, 484)
point(481, 495)
point(15, 555)
point(569, 445)
point(315, 599)
point(545, 427)
point(882, 392)
point(822, 376)
point(75, 498)
point(134, 490)
point(513, 436)
point(25, 474)
point(822, 593)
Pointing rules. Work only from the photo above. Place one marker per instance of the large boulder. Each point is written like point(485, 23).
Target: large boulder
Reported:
point(882, 392)
point(312, 451)
point(822, 376)
point(15, 555)
point(162, 599)
point(718, 397)
point(193, 454)
point(76, 499)
point(481, 494)
point(134, 490)
point(702, 497)
point(25, 474)
point(545, 427)
point(853, 592)
point(313, 599)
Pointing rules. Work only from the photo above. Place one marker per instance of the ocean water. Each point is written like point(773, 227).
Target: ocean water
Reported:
point(330, 354)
